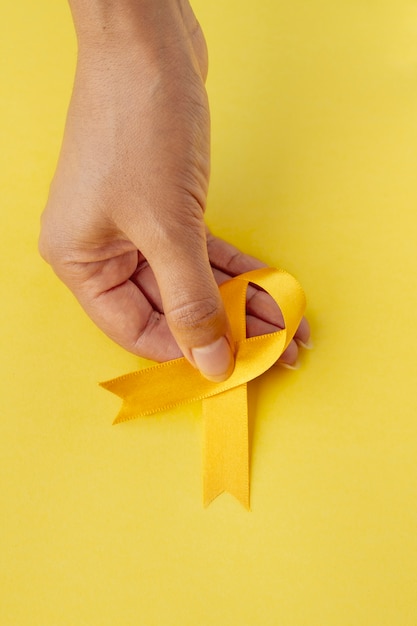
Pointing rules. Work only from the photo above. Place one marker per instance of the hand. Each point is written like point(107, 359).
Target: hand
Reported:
point(124, 225)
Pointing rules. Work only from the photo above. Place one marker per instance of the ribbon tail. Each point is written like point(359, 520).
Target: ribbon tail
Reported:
point(226, 446)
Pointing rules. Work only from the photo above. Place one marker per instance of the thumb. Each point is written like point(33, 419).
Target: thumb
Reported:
point(192, 304)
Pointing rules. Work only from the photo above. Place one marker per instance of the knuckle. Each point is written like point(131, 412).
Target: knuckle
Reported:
point(200, 314)
point(49, 248)
point(47, 240)
point(54, 249)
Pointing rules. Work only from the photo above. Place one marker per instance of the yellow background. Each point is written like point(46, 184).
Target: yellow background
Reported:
point(314, 108)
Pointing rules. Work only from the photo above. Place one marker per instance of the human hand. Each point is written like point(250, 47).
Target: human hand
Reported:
point(124, 223)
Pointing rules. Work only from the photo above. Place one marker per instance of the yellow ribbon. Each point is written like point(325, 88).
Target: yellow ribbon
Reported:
point(174, 383)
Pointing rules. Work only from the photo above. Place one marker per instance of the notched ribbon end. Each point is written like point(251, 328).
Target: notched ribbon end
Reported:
point(125, 412)
point(244, 501)
point(110, 385)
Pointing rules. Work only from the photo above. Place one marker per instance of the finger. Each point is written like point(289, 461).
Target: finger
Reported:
point(226, 257)
point(120, 309)
point(289, 356)
point(191, 300)
point(303, 334)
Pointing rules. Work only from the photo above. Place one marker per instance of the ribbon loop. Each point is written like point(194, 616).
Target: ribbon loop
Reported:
point(174, 383)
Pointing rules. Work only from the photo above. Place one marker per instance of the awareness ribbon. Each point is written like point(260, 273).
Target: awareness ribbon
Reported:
point(175, 383)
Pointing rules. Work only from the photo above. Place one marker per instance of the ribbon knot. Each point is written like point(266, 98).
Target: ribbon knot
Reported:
point(175, 383)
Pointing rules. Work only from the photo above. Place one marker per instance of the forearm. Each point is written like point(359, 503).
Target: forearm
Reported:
point(103, 23)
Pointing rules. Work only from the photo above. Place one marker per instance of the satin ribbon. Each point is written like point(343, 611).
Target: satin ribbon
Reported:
point(175, 383)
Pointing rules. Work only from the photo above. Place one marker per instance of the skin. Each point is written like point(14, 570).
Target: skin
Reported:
point(124, 223)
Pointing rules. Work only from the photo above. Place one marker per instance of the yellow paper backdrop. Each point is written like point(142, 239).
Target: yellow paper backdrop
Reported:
point(314, 108)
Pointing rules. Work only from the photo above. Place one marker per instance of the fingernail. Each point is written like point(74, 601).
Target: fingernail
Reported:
point(308, 345)
point(287, 366)
point(214, 361)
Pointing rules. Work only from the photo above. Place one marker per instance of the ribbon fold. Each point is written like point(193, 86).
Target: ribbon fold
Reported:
point(175, 383)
